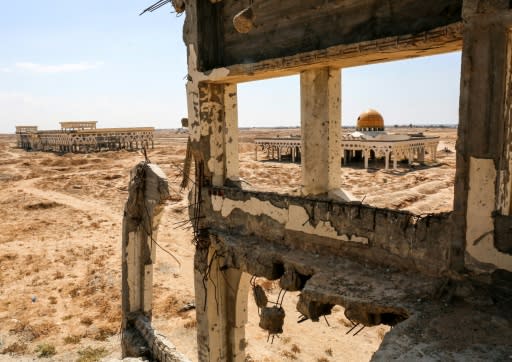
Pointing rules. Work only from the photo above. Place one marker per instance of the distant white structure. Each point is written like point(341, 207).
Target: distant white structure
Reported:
point(370, 140)
point(83, 136)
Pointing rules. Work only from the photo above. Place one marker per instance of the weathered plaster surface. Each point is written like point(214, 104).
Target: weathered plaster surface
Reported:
point(298, 220)
point(253, 206)
point(231, 132)
point(320, 93)
point(294, 218)
point(194, 78)
point(328, 227)
point(480, 225)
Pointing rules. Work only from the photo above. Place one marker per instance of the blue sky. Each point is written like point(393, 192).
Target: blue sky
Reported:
point(99, 60)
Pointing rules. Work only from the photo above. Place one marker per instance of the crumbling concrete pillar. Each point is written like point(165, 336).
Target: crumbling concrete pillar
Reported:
point(484, 144)
point(213, 126)
point(148, 190)
point(221, 308)
point(320, 93)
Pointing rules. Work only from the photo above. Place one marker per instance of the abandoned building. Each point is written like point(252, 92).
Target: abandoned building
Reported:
point(369, 141)
point(83, 136)
point(413, 272)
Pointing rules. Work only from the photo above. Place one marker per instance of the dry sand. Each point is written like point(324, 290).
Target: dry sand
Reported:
point(60, 249)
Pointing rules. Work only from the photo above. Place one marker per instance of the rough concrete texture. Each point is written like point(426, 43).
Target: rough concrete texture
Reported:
point(326, 227)
point(467, 321)
point(484, 167)
point(147, 192)
point(388, 294)
point(433, 318)
point(320, 94)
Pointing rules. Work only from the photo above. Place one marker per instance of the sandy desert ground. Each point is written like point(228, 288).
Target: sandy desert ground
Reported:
point(61, 240)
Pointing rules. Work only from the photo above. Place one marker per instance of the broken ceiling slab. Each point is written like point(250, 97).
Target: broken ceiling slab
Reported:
point(386, 295)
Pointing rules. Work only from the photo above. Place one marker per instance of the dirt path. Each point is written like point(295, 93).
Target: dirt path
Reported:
point(90, 206)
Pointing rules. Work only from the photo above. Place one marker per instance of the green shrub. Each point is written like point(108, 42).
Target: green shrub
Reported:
point(45, 350)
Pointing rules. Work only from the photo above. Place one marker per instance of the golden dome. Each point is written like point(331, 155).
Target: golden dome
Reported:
point(370, 120)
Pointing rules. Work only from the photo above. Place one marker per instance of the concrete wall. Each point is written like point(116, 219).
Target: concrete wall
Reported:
point(326, 227)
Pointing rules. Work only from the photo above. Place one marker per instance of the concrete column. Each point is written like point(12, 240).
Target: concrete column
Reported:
point(366, 155)
point(320, 92)
point(421, 155)
point(483, 174)
point(214, 130)
point(232, 167)
point(386, 156)
point(221, 322)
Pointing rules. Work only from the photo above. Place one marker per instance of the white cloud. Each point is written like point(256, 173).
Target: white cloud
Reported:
point(5, 70)
point(58, 68)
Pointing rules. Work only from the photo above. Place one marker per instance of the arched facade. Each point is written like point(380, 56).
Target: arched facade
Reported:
point(85, 137)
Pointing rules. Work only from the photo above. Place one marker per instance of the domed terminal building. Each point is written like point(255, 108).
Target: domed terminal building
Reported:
point(370, 121)
point(369, 141)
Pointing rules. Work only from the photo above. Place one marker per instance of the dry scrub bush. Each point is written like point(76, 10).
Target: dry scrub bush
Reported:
point(192, 323)
point(45, 350)
point(44, 329)
point(86, 321)
point(295, 348)
point(104, 332)
point(8, 257)
point(90, 354)
point(72, 339)
point(289, 355)
point(15, 348)
point(42, 205)
point(30, 332)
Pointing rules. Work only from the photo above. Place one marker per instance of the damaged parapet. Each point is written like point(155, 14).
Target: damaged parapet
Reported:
point(148, 191)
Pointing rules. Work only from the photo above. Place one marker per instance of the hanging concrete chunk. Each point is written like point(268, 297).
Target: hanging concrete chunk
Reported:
point(259, 296)
point(272, 319)
point(292, 281)
point(312, 309)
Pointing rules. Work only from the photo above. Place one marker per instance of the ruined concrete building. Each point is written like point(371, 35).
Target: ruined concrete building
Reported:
point(442, 280)
point(83, 136)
